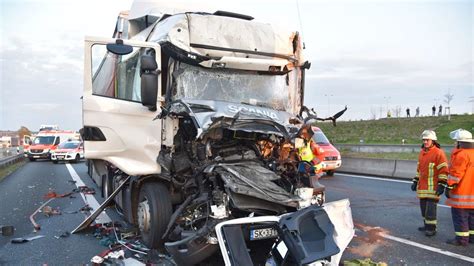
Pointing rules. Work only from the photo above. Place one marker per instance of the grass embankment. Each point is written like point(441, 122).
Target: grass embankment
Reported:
point(393, 130)
point(5, 171)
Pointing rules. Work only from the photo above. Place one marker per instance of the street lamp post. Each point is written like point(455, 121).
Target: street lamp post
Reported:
point(329, 103)
point(387, 100)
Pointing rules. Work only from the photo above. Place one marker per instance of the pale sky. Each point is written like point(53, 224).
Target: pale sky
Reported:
point(366, 54)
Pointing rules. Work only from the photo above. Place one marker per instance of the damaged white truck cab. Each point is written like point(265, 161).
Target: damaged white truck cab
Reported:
point(200, 109)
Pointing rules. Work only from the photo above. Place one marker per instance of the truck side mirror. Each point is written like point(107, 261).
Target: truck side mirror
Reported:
point(149, 81)
point(119, 48)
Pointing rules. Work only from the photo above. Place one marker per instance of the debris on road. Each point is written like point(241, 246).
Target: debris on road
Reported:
point(86, 208)
point(48, 211)
point(89, 220)
point(32, 216)
point(85, 190)
point(7, 230)
point(24, 240)
point(52, 194)
point(97, 260)
point(63, 235)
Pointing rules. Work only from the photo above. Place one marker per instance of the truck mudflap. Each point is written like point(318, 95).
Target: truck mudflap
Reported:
point(311, 235)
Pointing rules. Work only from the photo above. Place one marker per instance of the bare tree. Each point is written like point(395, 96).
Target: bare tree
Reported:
point(373, 113)
point(448, 97)
point(397, 111)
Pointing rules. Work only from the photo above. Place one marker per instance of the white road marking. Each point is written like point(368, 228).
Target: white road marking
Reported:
point(385, 179)
point(88, 199)
point(437, 250)
point(377, 178)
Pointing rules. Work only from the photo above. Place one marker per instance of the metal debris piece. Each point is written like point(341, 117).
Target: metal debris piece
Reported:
point(48, 211)
point(25, 239)
point(99, 210)
point(32, 217)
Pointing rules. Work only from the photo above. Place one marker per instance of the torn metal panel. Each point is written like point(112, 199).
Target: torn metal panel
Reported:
point(251, 179)
point(209, 115)
point(226, 36)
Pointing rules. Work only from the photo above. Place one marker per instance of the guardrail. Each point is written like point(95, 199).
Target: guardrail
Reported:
point(372, 148)
point(11, 160)
point(405, 169)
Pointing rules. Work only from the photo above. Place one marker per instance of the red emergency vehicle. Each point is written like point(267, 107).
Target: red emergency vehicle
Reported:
point(331, 156)
point(47, 141)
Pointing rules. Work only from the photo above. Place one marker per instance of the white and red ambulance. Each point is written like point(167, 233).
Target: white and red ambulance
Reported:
point(47, 141)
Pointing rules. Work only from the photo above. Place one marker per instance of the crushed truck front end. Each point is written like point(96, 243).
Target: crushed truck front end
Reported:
point(205, 122)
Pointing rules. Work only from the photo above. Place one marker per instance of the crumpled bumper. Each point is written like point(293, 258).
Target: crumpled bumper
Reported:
point(306, 236)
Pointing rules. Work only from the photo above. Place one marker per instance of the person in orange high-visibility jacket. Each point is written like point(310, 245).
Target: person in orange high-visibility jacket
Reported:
point(460, 190)
point(430, 180)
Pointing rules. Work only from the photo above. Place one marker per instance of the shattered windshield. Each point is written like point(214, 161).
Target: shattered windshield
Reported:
point(278, 92)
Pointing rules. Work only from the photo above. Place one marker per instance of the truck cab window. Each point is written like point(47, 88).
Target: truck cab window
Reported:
point(116, 76)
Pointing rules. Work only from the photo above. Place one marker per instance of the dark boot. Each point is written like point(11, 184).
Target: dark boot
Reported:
point(430, 233)
point(456, 242)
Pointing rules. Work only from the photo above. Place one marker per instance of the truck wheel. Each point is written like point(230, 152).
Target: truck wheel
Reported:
point(330, 173)
point(76, 160)
point(153, 212)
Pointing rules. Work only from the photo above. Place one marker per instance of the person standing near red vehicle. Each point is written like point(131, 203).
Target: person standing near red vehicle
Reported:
point(430, 181)
point(310, 151)
point(460, 190)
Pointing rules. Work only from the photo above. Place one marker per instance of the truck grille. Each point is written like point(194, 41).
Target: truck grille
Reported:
point(36, 151)
point(330, 158)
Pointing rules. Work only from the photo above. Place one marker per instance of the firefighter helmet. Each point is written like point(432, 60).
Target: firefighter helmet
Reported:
point(429, 134)
point(461, 135)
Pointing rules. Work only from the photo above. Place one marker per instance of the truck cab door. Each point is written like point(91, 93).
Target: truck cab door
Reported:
point(118, 126)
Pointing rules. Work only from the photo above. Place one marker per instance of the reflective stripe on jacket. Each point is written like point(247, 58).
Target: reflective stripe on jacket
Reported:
point(432, 168)
point(461, 176)
point(306, 153)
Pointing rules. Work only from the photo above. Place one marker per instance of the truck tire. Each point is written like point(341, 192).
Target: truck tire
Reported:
point(330, 173)
point(76, 160)
point(153, 212)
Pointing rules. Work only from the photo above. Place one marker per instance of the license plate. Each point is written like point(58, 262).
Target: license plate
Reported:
point(263, 233)
point(60, 157)
point(36, 156)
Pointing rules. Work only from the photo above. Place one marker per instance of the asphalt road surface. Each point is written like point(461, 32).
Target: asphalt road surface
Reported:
point(385, 212)
point(386, 215)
